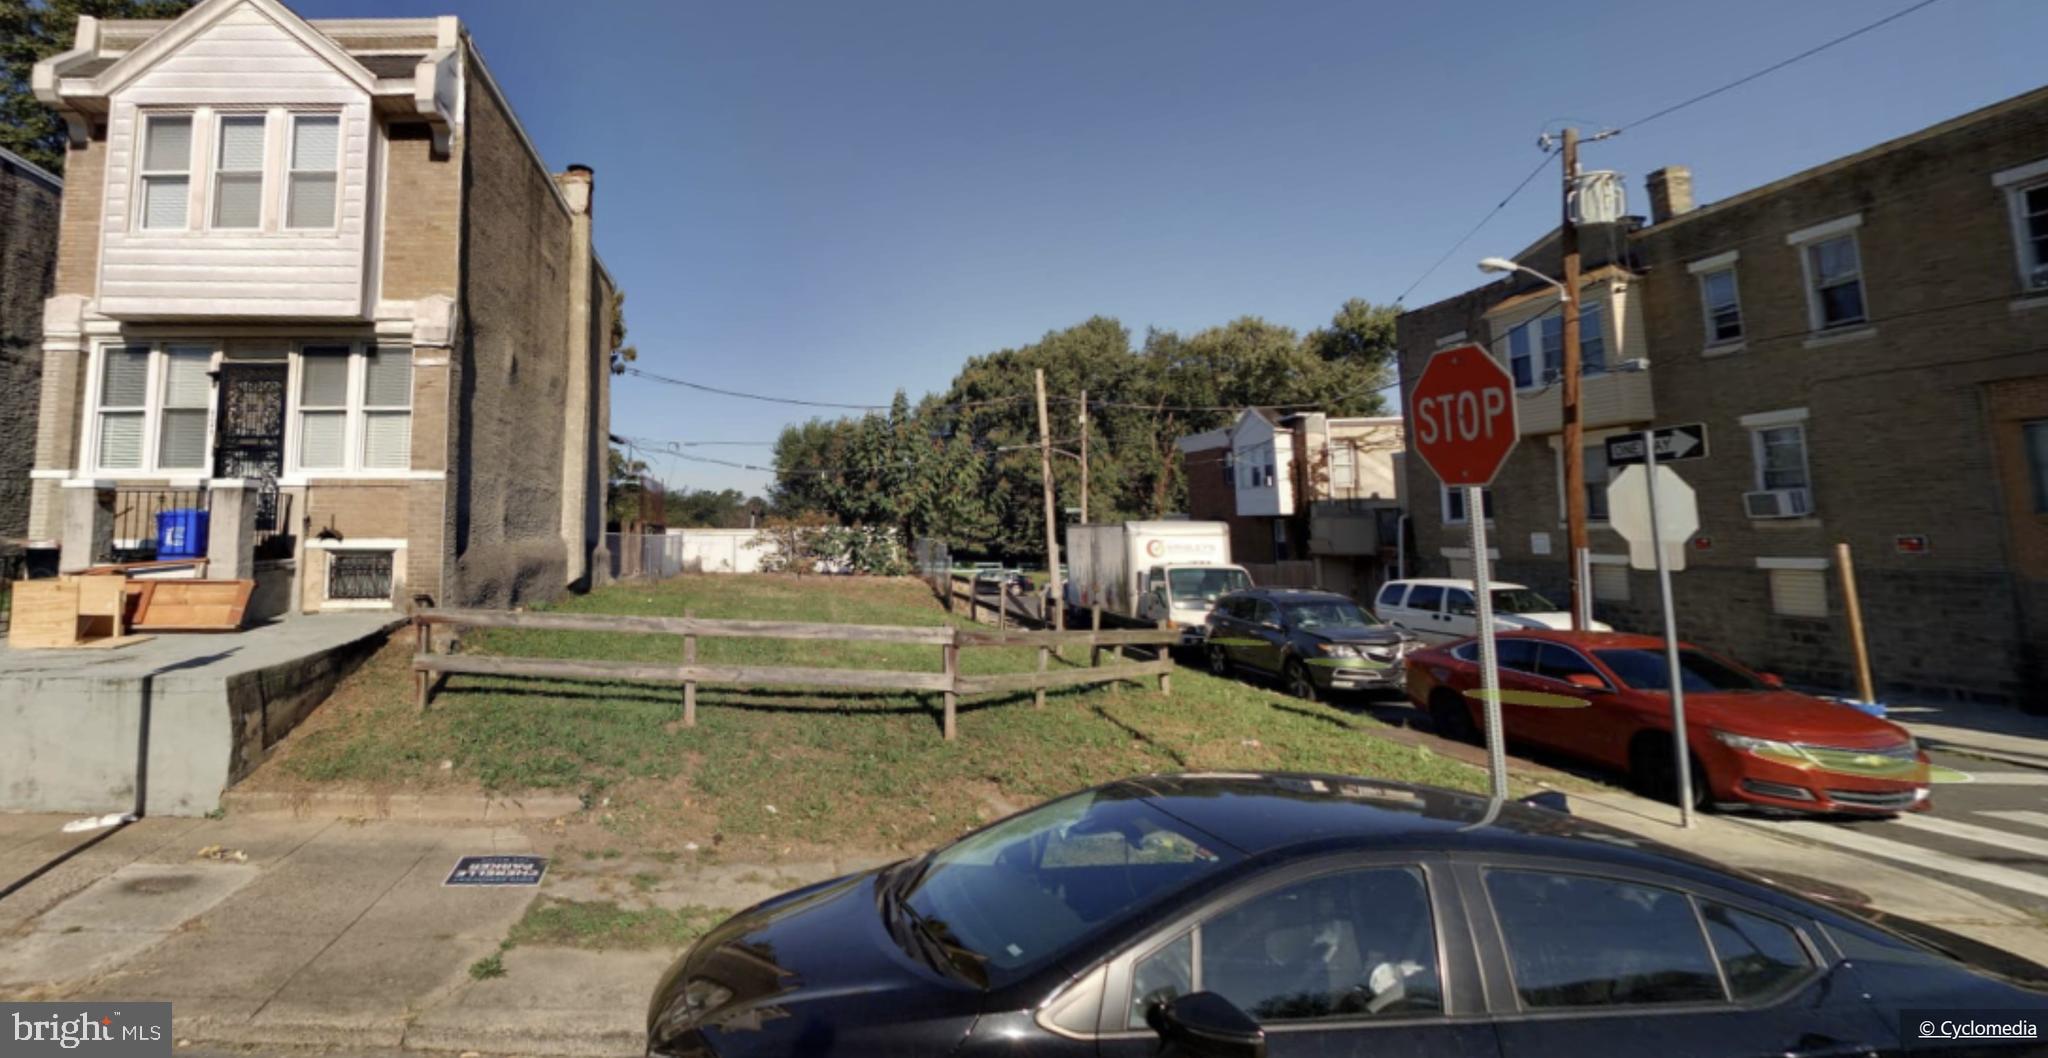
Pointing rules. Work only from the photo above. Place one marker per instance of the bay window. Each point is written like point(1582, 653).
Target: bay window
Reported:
point(1536, 347)
point(354, 408)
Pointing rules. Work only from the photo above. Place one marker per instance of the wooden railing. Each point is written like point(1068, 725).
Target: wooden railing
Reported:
point(429, 667)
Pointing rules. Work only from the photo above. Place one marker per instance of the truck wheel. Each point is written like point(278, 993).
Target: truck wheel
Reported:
point(1299, 683)
point(1219, 662)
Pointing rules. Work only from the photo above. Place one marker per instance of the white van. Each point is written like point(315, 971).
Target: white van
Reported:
point(1440, 609)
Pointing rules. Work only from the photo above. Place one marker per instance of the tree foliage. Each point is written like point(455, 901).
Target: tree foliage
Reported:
point(34, 30)
point(963, 465)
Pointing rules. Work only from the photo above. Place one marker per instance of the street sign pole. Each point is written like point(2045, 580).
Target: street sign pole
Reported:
point(1489, 668)
point(1678, 739)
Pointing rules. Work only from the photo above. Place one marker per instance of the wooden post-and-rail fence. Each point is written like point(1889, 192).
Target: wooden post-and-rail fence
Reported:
point(429, 667)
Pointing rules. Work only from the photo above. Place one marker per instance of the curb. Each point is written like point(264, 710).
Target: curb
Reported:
point(421, 808)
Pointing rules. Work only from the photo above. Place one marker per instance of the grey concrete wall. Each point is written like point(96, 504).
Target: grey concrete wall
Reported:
point(30, 203)
point(215, 705)
point(511, 369)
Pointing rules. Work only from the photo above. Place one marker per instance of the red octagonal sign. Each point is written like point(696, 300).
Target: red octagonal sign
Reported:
point(1462, 416)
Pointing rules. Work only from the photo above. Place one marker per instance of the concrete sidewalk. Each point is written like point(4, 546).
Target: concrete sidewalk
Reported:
point(323, 933)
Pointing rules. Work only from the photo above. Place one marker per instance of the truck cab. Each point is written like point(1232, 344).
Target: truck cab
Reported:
point(1184, 595)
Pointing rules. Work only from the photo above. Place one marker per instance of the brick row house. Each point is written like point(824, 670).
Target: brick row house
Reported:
point(314, 278)
point(1867, 344)
point(30, 197)
point(1311, 499)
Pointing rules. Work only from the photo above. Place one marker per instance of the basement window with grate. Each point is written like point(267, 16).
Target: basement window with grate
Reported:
point(359, 576)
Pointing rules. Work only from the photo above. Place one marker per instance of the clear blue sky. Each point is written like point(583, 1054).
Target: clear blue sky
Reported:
point(834, 200)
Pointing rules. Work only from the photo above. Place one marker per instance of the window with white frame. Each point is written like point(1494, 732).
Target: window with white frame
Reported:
point(1454, 503)
point(1834, 274)
point(354, 408)
point(313, 171)
point(1722, 305)
point(1536, 347)
point(1343, 467)
point(152, 408)
point(2030, 232)
point(187, 400)
point(238, 172)
point(1780, 453)
point(166, 169)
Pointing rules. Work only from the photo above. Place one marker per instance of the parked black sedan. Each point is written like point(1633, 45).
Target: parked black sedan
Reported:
point(1301, 914)
point(1314, 642)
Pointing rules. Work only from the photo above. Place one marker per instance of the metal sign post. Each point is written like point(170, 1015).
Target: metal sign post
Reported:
point(1489, 668)
point(1678, 739)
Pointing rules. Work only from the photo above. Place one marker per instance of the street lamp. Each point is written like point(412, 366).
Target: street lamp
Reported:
point(1502, 264)
point(1574, 455)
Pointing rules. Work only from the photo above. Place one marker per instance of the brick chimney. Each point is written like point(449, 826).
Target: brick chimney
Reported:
point(1670, 192)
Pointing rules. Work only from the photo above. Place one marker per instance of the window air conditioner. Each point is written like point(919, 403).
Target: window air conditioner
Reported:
point(1778, 503)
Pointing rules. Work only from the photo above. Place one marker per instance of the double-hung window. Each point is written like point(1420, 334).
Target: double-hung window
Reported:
point(166, 190)
point(315, 156)
point(354, 408)
point(1833, 266)
point(238, 172)
point(1781, 456)
point(2026, 188)
point(153, 408)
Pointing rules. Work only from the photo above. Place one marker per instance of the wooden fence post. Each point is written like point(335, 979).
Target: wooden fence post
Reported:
point(1044, 655)
point(952, 655)
point(689, 685)
point(1094, 626)
point(423, 643)
point(1166, 654)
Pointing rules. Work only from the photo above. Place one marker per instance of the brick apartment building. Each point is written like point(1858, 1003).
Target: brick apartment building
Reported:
point(1867, 344)
point(1311, 500)
point(318, 270)
point(29, 200)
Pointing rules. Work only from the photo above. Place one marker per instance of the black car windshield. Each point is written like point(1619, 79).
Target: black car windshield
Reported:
point(1028, 889)
point(1328, 613)
point(1647, 670)
point(1205, 585)
point(1521, 600)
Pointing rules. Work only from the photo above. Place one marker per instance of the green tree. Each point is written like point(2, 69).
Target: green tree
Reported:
point(34, 30)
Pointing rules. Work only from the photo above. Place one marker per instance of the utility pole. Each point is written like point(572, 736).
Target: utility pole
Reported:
point(1052, 542)
point(1084, 457)
point(1574, 453)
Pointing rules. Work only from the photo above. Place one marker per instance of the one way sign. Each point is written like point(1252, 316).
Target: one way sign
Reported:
point(1673, 443)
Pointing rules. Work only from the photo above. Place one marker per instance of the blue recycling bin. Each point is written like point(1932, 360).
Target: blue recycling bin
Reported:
point(181, 533)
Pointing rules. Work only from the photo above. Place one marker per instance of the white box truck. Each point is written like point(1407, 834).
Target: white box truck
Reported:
point(1147, 571)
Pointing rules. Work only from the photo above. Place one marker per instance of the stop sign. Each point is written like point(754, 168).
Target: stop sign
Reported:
point(1462, 416)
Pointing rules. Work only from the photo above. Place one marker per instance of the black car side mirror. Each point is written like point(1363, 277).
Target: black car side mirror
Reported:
point(1205, 1025)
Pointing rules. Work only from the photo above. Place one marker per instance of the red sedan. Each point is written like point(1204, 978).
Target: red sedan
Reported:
point(1604, 697)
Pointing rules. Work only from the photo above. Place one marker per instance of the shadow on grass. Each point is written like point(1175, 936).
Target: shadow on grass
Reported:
point(1165, 750)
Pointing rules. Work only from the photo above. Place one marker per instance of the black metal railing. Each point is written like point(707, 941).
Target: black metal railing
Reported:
point(152, 522)
point(13, 565)
point(274, 537)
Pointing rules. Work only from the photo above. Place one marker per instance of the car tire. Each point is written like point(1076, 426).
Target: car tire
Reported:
point(1653, 773)
point(1219, 663)
point(1299, 683)
point(1452, 720)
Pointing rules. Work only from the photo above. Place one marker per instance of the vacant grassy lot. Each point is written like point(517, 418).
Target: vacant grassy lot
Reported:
point(840, 769)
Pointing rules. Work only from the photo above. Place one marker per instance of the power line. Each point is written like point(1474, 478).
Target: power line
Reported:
point(1775, 67)
point(1490, 214)
point(703, 388)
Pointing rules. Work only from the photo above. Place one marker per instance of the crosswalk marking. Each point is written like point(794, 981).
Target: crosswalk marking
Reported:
point(2009, 778)
point(1998, 839)
point(2033, 819)
point(1927, 859)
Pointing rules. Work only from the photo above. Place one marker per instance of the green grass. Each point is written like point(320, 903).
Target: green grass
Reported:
point(843, 769)
point(602, 925)
point(492, 965)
